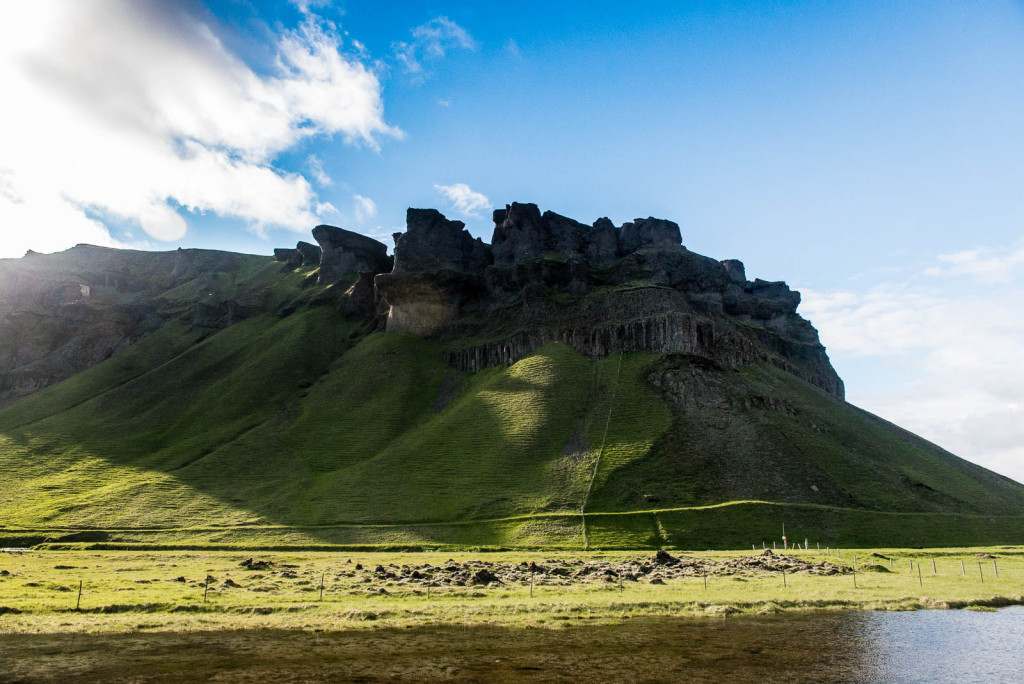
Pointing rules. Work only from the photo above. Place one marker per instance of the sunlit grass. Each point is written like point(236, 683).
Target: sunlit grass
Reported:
point(122, 590)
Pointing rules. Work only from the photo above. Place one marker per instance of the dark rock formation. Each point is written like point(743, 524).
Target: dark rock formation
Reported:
point(304, 254)
point(734, 268)
point(522, 233)
point(309, 255)
point(426, 303)
point(360, 300)
point(598, 288)
point(345, 252)
point(432, 243)
point(518, 234)
point(603, 245)
point(182, 264)
point(438, 269)
point(648, 232)
point(289, 257)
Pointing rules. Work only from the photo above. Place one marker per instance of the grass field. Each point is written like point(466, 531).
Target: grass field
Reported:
point(127, 591)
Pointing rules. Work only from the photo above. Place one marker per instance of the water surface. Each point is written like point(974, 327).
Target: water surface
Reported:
point(922, 646)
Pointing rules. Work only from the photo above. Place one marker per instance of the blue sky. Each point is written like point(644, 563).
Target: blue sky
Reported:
point(871, 154)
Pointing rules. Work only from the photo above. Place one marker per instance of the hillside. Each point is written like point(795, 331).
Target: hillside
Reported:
point(469, 394)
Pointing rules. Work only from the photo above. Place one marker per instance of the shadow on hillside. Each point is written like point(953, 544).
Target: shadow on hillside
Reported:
point(219, 439)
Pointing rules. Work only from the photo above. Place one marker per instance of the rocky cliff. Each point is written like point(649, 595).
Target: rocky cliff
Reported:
point(601, 288)
point(544, 277)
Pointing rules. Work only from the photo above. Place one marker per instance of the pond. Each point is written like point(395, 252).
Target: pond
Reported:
point(922, 646)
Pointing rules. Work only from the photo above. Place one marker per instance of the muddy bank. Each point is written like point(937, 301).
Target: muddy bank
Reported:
point(818, 647)
point(643, 650)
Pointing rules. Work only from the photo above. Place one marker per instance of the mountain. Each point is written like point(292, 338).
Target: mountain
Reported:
point(565, 385)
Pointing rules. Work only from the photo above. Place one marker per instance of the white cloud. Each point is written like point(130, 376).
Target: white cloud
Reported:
point(305, 6)
point(365, 208)
point(431, 41)
point(132, 109)
point(987, 265)
point(512, 47)
point(958, 350)
point(464, 200)
point(316, 170)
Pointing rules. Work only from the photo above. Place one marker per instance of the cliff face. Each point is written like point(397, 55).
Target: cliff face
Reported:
point(600, 288)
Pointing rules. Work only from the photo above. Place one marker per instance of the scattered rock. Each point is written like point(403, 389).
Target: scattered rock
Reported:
point(250, 564)
point(485, 576)
point(664, 558)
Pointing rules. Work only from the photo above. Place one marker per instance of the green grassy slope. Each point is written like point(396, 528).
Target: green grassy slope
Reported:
point(305, 430)
point(764, 435)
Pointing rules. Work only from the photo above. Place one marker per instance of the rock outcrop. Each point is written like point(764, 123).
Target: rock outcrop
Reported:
point(309, 255)
point(545, 277)
point(437, 274)
point(344, 252)
point(433, 243)
point(289, 257)
point(600, 288)
point(304, 254)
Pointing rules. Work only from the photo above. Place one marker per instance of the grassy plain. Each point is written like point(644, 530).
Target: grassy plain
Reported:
point(129, 591)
